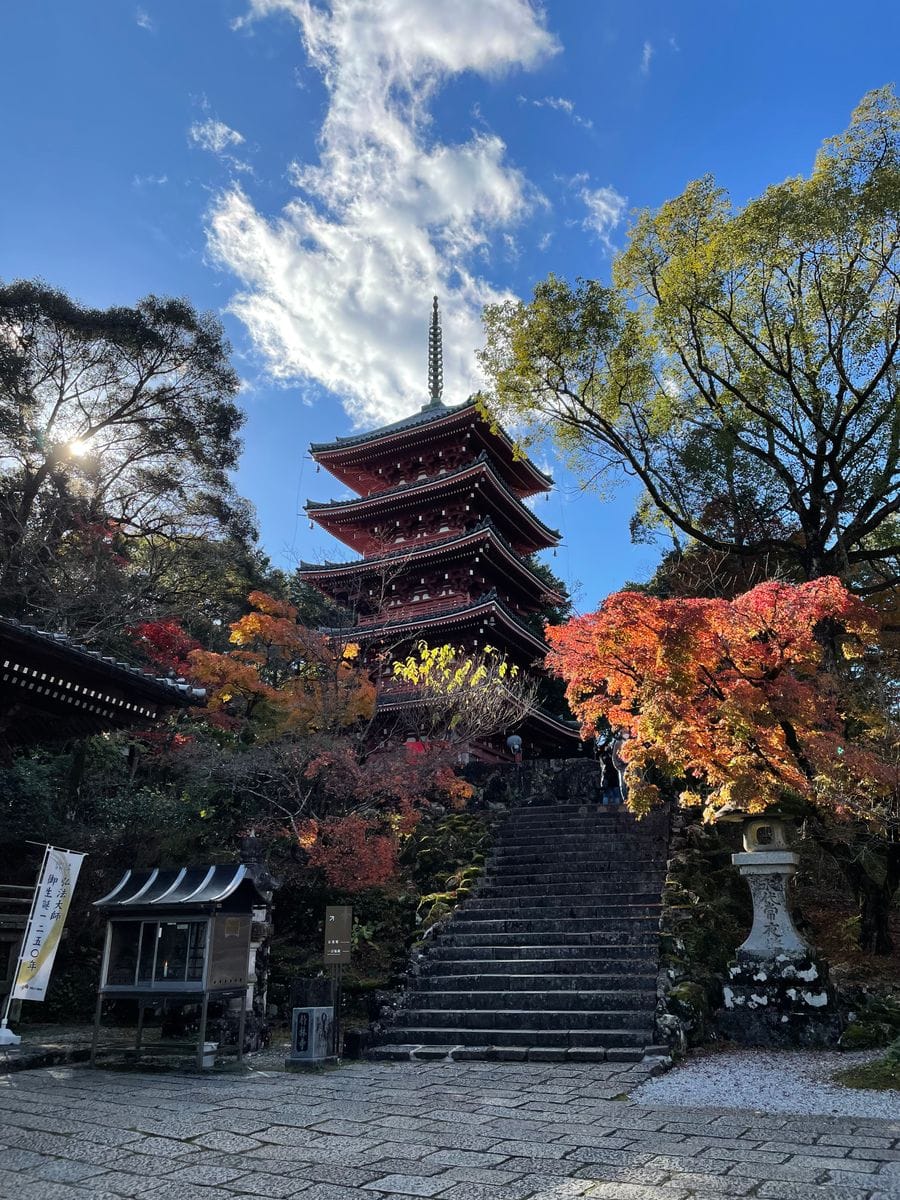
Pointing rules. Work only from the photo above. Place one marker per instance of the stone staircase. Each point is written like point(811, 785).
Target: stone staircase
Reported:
point(555, 956)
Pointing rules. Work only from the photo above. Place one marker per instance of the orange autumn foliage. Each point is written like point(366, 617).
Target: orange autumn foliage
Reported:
point(737, 698)
point(283, 676)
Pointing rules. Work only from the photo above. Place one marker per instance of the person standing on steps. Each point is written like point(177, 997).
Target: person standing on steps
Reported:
point(609, 782)
point(619, 763)
point(514, 746)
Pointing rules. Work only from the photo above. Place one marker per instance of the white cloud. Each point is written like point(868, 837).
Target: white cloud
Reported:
point(219, 139)
point(214, 135)
point(559, 104)
point(144, 20)
point(646, 55)
point(140, 181)
point(337, 287)
point(606, 207)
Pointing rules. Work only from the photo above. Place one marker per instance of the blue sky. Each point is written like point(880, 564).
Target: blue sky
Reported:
point(314, 172)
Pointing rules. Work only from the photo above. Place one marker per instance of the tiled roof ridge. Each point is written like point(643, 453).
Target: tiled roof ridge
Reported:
point(487, 525)
point(402, 489)
point(536, 710)
point(490, 597)
point(176, 684)
point(426, 416)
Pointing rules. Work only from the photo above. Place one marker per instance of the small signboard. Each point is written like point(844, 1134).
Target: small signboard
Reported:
point(338, 924)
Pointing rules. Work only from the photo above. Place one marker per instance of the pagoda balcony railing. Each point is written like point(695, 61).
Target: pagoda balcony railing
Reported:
point(434, 606)
point(416, 608)
point(397, 689)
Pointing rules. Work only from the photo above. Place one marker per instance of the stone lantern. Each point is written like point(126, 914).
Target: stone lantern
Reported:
point(777, 991)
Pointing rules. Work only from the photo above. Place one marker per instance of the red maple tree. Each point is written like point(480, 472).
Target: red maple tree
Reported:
point(742, 701)
point(291, 706)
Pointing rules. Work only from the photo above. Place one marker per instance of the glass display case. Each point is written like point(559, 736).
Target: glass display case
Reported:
point(183, 935)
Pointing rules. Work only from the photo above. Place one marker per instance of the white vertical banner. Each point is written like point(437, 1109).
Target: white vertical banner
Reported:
point(45, 924)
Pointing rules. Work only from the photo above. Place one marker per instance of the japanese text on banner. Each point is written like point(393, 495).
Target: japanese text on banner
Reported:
point(45, 927)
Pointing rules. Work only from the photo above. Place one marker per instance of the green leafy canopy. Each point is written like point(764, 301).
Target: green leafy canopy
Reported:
point(743, 364)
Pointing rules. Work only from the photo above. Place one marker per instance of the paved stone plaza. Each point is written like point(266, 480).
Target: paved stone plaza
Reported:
point(474, 1131)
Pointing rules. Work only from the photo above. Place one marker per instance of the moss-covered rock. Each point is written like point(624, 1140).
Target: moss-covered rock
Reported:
point(690, 1002)
point(877, 1024)
point(881, 1075)
point(706, 914)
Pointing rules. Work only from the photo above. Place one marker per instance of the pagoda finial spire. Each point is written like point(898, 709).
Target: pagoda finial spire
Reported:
point(435, 357)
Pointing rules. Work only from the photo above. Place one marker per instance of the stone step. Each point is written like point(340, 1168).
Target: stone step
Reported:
point(574, 812)
point(596, 915)
point(519, 1054)
point(580, 859)
point(600, 839)
point(610, 1038)
point(649, 877)
point(551, 939)
point(602, 882)
point(525, 902)
point(622, 874)
point(620, 923)
point(600, 835)
point(600, 821)
point(603, 960)
point(494, 980)
point(563, 958)
point(525, 1018)
point(564, 897)
point(609, 828)
point(552, 999)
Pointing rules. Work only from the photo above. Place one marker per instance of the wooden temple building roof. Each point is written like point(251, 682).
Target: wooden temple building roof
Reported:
point(539, 726)
point(357, 461)
point(53, 689)
point(487, 617)
point(352, 520)
point(346, 580)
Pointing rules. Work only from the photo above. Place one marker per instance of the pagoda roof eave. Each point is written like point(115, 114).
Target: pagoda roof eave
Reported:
point(415, 554)
point(429, 415)
point(536, 716)
point(319, 509)
point(569, 729)
point(486, 605)
point(425, 416)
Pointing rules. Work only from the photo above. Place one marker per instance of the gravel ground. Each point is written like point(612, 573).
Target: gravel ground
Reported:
point(786, 1081)
point(795, 1082)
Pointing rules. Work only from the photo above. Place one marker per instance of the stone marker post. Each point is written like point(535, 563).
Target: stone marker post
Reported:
point(777, 992)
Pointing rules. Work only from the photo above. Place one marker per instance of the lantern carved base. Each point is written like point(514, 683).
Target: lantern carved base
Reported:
point(777, 991)
point(779, 1001)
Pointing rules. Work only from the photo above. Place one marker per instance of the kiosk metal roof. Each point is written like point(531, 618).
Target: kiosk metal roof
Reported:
point(187, 886)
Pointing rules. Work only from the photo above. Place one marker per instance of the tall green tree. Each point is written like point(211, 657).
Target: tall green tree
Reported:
point(744, 365)
point(118, 430)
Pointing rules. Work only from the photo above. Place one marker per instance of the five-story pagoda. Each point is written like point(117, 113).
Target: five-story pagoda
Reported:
point(443, 534)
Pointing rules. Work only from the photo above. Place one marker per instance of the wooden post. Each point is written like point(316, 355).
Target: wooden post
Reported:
point(96, 1033)
point(140, 1029)
point(202, 1037)
point(241, 1023)
point(337, 980)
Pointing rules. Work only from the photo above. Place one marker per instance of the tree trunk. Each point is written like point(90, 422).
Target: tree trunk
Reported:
point(874, 895)
point(874, 912)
